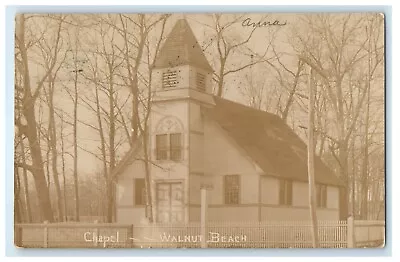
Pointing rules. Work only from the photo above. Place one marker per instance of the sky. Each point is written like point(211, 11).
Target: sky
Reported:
point(200, 24)
point(87, 163)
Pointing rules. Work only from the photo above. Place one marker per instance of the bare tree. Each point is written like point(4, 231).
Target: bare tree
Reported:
point(120, 66)
point(105, 104)
point(29, 97)
point(373, 30)
point(227, 47)
point(73, 64)
point(52, 138)
point(335, 54)
point(21, 157)
point(144, 54)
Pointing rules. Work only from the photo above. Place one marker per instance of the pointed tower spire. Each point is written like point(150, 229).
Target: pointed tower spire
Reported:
point(182, 48)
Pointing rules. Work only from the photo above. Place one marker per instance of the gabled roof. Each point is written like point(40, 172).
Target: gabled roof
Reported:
point(269, 141)
point(266, 139)
point(128, 158)
point(182, 48)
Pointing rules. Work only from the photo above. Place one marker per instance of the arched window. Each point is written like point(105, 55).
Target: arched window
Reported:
point(169, 139)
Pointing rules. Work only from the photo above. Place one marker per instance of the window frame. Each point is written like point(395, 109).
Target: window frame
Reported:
point(321, 196)
point(285, 192)
point(169, 148)
point(164, 148)
point(227, 195)
point(143, 194)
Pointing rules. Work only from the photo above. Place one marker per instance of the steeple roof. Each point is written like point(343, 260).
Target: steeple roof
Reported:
point(182, 48)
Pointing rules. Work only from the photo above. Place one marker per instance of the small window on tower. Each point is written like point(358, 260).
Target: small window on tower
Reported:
point(201, 82)
point(170, 79)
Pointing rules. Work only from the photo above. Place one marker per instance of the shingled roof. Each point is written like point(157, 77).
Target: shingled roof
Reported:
point(182, 48)
point(269, 141)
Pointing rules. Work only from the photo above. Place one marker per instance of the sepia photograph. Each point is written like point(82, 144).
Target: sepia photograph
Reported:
point(199, 130)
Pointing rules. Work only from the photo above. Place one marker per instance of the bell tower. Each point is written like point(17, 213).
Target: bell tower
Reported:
point(182, 84)
point(181, 70)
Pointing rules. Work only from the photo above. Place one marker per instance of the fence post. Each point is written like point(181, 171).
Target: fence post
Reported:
point(45, 234)
point(350, 232)
point(96, 230)
point(203, 217)
point(130, 236)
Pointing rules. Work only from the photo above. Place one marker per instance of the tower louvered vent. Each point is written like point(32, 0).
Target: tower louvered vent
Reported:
point(201, 82)
point(170, 79)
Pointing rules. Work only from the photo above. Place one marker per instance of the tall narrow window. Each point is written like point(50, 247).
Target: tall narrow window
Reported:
point(175, 144)
point(321, 195)
point(231, 189)
point(201, 82)
point(140, 191)
point(285, 192)
point(162, 147)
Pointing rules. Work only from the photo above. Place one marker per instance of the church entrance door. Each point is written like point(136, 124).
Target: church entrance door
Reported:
point(169, 202)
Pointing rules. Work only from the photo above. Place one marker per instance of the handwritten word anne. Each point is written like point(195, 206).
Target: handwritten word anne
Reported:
point(249, 23)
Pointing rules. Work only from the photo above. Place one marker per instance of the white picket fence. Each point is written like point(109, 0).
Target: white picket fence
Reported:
point(271, 234)
point(268, 234)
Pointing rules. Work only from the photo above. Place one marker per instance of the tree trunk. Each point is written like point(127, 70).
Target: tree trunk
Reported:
point(221, 77)
point(75, 131)
point(111, 193)
point(110, 204)
point(17, 209)
point(30, 130)
point(63, 169)
point(103, 150)
point(53, 145)
point(364, 183)
point(26, 189)
point(365, 173)
point(149, 203)
point(311, 179)
point(290, 100)
point(344, 197)
point(37, 162)
point(17, 202)
point(220, 88)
